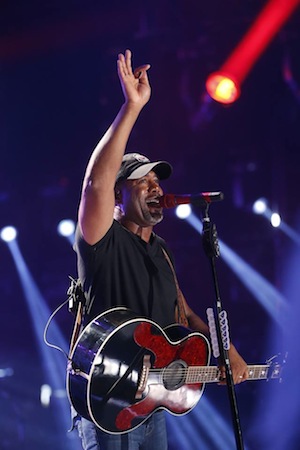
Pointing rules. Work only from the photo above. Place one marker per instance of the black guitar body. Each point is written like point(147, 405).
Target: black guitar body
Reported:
point(126, 367)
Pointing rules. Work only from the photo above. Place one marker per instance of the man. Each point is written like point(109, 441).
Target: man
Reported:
point(122, 262)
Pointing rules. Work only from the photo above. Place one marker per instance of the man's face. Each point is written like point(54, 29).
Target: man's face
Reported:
point(140, 200)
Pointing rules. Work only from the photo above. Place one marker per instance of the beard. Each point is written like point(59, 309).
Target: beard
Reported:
point(152, 216)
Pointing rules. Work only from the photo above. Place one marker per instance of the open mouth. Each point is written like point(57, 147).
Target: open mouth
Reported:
point(153, 202)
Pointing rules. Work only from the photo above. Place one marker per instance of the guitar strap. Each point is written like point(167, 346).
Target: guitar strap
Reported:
point(77, 302)
point(77, 327)
point(180, 314)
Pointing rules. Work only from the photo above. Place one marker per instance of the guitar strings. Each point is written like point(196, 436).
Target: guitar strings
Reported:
point(255, 371)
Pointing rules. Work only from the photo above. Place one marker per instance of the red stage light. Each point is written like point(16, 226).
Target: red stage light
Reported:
point(221, 88)
point(252, 45)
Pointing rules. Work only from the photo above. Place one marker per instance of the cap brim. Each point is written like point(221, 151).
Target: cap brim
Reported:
point(162, 168)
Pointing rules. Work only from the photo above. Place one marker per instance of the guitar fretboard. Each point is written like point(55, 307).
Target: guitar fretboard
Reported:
point(211, 374)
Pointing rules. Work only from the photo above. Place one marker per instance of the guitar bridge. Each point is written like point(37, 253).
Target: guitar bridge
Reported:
point(143, 377)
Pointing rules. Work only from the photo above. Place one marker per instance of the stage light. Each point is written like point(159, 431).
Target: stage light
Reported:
point(53, 365)
point(275, 220)
point(280, 429)
point(66, 227)
point(260, 206)
point(7, 372)
point(194, 431)
point(264, 292)
point(183, 211)
point(8, 233)
point(221, 88)
point(45, 395)
point(237, 66)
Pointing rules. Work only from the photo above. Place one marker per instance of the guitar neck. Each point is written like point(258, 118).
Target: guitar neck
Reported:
point(211, 374)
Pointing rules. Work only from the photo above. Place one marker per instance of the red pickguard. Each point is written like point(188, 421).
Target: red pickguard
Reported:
point(192, 350)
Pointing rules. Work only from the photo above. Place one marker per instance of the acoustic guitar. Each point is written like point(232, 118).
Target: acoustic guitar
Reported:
point(125, 367)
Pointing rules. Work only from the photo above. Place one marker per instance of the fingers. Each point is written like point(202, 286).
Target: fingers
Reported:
point(238, 366)
point(238, 376)
point(141, 71)
point(121, 64)
point(128, 62)
point(125, 66)
point(135, 85)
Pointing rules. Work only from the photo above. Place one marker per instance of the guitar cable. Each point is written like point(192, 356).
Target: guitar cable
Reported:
point(71, 366)
point(49, 344)
point(75, 301)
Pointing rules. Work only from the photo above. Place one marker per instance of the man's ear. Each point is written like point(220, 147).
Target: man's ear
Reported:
point(118, 195)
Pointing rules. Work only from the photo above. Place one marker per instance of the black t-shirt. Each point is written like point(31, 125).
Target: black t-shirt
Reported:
point(123, 270)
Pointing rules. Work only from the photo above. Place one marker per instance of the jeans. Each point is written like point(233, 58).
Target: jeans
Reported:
point(148, 436)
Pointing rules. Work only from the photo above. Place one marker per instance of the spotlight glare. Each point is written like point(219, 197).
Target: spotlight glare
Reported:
point(260, 206)
point(66, 227)
point(222, 88)
point(275, 220)
point(238, 64)
point(183, 211)
point(8, 233)
point(45, 395)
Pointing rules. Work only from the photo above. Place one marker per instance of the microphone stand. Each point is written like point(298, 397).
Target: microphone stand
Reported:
point(211, 248)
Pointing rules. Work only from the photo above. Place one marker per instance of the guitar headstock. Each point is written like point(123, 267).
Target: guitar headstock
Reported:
point(276, 364)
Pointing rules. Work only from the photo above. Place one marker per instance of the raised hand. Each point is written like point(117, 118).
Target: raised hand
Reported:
point(135, 84)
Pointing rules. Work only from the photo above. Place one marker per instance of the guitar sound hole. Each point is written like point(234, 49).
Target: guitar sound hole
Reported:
point(174, 375)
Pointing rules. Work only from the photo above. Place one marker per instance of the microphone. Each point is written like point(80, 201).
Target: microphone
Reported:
point(201, 199)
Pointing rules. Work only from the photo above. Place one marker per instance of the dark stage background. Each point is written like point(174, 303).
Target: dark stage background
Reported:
point(59, 91)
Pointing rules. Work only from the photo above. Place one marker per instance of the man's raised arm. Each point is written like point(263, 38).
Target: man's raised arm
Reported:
point(97, 201)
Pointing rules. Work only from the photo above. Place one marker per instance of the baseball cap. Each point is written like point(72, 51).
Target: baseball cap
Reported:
point(135, 165)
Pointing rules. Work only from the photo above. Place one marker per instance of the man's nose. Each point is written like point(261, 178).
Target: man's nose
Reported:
point(155, 187)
